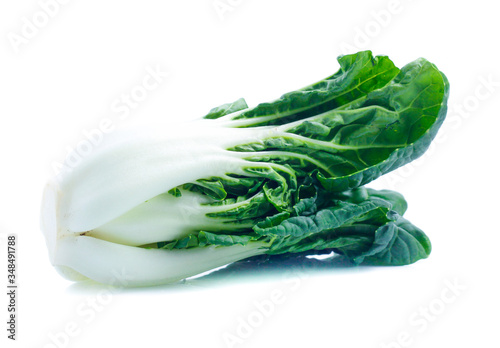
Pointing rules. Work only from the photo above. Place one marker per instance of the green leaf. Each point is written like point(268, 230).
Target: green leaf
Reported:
point(207, 238)
point(240, 209)
point(366, 120)
point(175, 192)
point(358, 75)
point(226, 109)
point(396, 243)
point(213, 188)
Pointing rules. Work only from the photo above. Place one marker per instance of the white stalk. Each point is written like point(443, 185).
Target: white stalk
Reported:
point(122, 175)
point(121, 265)
point(165, 218)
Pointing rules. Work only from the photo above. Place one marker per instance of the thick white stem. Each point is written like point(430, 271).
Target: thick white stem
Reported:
point(127, 172)
point(164, 218)
point(128, 266)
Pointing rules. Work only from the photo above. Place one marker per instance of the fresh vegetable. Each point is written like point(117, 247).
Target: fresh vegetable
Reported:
point(160, 204)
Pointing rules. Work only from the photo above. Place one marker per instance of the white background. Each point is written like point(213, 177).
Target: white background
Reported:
point(62, 74)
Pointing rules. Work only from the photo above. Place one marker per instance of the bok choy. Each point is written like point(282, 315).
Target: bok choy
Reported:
point(160, 204)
